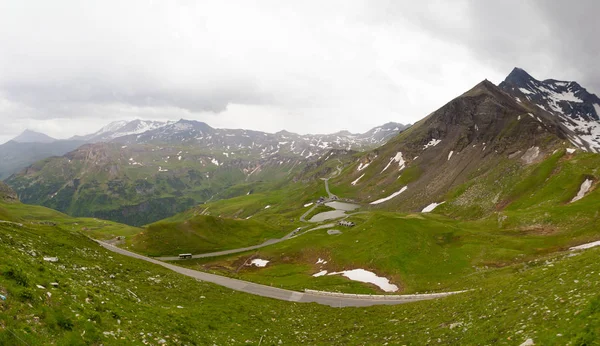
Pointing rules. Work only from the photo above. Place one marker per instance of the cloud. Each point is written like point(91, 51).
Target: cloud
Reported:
point(70, 66)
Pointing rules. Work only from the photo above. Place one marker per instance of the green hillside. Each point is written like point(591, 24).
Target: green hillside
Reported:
point(202, 233)
point(511, 214)
point(105, 298)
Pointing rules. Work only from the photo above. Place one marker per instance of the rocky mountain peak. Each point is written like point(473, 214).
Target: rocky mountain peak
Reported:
point(518, 76)
point(568, 102)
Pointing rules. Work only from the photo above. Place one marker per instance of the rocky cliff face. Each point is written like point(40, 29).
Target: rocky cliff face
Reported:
point(570, 103)
point(7, 194)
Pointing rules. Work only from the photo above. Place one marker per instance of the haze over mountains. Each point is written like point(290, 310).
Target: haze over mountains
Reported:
point(29, 136)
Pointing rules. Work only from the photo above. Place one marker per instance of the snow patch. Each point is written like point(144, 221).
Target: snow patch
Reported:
point(321, 273)
point(361, 166)
point(267, 207)
point(357, 179)
point(259, 262)
point(450, 154)
point(432, 143)
point(583, 189)
point(571, 150)
point(525, 91)
point(160, 169)
point(585, 246)
point(566, 96)
point(390, 196)
point(362, 275)
point(398, 158)
point(321, 261)
point(430, 207)
point(308, 204)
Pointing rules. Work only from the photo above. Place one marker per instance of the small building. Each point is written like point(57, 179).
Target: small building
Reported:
point(346, 223)
point(185, 255)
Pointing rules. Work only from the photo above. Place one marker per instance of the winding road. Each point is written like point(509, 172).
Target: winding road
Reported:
point(290, 235)
point(331, 195)
point(248, 248)
point(281, 294)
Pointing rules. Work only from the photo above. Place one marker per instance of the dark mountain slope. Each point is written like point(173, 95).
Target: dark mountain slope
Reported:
point(466, 137)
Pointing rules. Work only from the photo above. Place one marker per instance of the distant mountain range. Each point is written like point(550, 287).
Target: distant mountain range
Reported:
point(121, 128)
point(141, 171)
point(31, 146)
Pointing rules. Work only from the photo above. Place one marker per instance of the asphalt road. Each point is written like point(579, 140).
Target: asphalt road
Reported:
point(248, 248)
point(331, 195)
point(268, 242)
point(273, 292)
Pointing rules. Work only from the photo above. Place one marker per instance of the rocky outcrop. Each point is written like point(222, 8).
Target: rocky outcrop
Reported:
point(7, 194)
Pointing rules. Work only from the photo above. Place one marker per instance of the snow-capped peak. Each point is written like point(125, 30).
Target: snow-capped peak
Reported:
point(124, 128)
point(576, 108)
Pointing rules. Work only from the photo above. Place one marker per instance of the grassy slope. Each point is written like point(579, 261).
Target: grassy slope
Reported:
point(202, 233)
point(226, 224)
point(109, 185)
point(492, 221)
point(95, 228)
point(552, 301)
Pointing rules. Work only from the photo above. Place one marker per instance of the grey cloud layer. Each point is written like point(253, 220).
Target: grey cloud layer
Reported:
point(350, 64)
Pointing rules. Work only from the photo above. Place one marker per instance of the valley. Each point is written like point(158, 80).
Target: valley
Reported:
point(463, 228)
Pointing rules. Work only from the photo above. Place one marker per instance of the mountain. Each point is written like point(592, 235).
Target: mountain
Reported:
point(569, 102)
point(31, 146)
point(29, 136)
point(480, 131)
point(261, 144)
point(144, 177)
point(15, 156)
point(511, 236)
point(121, 128)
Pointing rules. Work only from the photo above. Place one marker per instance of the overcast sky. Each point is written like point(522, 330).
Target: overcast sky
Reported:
point(70, 67)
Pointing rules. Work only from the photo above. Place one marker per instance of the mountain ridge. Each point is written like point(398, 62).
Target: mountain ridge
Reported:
point(570, 103)
point(30, 136)
point(179, 164)
point(465, 137)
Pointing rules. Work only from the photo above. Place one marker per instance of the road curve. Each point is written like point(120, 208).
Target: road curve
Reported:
point(248, 248)
point(273, 292)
